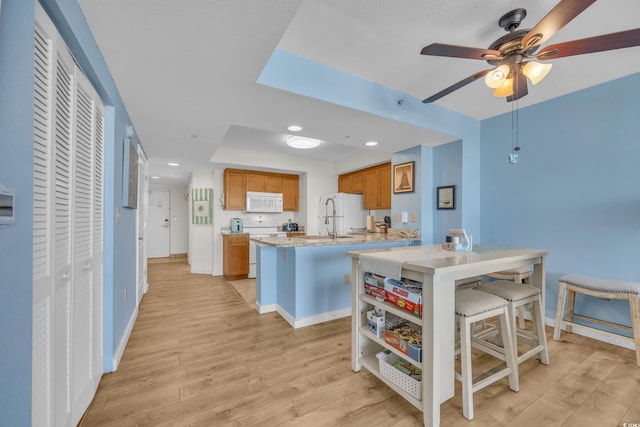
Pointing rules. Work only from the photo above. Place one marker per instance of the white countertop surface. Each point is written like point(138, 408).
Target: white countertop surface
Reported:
point(350, 239)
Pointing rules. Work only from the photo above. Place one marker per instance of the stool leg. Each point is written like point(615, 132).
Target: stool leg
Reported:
point(538, 325)
point(634, 303)
point(520, 279)
point(571, 301)
point(465, 368)
point(562, 292)
point(507, 322)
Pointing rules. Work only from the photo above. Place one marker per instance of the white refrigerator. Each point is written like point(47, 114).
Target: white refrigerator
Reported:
point(349, 213)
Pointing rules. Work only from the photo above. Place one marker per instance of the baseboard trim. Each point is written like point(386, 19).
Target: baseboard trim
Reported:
point(117, 356)
point(200, 271)
point(313, 320)
point(268, 308)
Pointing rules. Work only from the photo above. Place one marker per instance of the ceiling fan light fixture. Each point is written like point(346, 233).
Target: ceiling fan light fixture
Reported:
point(506, 89)
point(302, 143)
point(535, 71)
point(496, 77)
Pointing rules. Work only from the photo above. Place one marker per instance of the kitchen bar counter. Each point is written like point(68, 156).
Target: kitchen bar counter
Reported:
point(308, 281)
point(349, 239)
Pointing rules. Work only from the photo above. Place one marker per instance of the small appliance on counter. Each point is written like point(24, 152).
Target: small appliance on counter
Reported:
point(236, 225)
point(458, 240)
point(290, 226)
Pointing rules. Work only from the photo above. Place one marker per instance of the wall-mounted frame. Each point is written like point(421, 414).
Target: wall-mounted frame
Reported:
point(201, 199)
point(129, 175)
point(447, 197)
point(403, 177)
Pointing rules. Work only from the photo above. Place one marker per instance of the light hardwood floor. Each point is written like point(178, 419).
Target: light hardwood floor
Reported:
point(199, 355)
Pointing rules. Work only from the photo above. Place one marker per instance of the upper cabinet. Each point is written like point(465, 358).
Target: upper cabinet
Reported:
point(238, 181)
point(374, 183)
point(352, 182)
point(235, 189)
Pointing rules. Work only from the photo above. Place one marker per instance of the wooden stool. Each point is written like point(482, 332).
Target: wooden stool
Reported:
point(518, 275)
point(518, 295)
point(473, 306)
point(468, 283)
point(599, 288)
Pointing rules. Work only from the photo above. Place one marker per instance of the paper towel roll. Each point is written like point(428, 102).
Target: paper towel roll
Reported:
point(371, 223)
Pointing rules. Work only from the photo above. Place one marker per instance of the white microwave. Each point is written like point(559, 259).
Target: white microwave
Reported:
point(264, 202)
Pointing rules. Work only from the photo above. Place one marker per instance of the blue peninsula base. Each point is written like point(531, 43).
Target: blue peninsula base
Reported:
point(307, 285)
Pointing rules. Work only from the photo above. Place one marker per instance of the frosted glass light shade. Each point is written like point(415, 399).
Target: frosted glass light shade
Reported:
point(496, 77)
point(302, 143)
point(536, 71)
point(506, 89)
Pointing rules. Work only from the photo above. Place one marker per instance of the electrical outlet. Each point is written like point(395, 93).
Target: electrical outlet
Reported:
point(413, 217)
point(347, 279)
point(126, 293)
point(396, 217)
point(118, 216)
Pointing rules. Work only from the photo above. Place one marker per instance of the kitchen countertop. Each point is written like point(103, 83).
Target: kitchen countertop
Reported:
point(349, 239)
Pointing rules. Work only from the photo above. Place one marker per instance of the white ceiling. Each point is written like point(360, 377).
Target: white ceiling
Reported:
point(187, 69)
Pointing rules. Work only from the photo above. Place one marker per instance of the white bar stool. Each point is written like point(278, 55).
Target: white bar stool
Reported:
point(517, 296)
point(572, 284)
point(473, 306)
point(518, 275)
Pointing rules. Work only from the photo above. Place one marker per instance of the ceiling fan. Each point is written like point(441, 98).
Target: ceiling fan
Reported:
point(512, 55)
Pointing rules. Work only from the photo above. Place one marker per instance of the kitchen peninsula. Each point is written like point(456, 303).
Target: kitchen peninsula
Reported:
point(307, 279)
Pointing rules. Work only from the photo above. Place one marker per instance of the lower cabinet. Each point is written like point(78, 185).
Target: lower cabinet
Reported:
point(235, 256)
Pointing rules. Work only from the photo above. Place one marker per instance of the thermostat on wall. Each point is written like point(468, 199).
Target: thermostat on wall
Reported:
point(7, 206)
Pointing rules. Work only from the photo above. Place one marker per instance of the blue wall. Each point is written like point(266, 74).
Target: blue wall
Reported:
point(575, 189)
point(16, 172)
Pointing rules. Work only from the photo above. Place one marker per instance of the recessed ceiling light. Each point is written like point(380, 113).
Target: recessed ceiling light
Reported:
point(155, 177)
point(173, 164)
point(295, 128)
point(371, 143)
point(302, 143)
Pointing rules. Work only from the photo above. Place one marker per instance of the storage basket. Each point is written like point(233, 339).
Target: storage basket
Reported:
point(410, 385)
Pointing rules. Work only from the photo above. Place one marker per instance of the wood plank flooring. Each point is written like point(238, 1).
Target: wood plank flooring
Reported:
point(199, 355)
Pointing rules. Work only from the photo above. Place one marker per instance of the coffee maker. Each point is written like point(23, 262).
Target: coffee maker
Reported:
point(236, 225)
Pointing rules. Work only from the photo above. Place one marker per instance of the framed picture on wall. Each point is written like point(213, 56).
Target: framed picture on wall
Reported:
point(130, 175)
point(403, 178)
point(447, 197)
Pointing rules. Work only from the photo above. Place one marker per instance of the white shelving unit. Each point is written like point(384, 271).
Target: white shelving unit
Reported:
point(437, 272)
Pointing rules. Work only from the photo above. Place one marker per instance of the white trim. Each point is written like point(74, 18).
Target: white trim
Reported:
point(201, 271)
point(313, 320)
point(117, 355)
point(268, 308)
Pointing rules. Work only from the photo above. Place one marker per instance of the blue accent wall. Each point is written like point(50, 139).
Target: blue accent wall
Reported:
point(16, 172)
point(574, 189)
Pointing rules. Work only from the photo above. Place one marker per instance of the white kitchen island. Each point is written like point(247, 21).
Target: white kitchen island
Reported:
point(437, 269)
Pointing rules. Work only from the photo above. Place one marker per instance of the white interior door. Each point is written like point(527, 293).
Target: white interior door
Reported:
point(159, 226)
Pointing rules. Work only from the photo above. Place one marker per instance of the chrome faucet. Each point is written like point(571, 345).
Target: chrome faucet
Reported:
point(326, 216)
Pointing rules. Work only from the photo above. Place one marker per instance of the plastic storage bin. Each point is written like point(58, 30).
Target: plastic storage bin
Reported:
point(412, 386)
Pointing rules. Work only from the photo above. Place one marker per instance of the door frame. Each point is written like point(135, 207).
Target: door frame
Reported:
point(141, 226)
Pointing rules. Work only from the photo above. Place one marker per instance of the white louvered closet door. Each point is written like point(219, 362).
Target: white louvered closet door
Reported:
point(86, 286)
point(67, 304)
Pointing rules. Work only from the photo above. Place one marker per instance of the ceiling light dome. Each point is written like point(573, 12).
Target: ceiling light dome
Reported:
point(294, 128)
point(302, 143)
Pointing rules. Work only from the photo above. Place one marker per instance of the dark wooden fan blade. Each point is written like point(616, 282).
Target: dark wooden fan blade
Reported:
point(629, 38)
point(519, 87)
point(456, 86)
point(559, 16)
point(438, 49)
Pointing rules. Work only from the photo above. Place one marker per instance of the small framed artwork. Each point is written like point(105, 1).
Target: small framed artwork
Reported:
point(447, 197)
point(403, 178)
point(130, 175)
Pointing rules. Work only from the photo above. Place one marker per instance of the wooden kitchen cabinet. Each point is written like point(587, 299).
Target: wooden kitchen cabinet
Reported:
point(266, 183)
point(352, 182)
point(235, 189)
point(235, 256)
point(238, 181)
point(377, 187)
point(290, 192)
